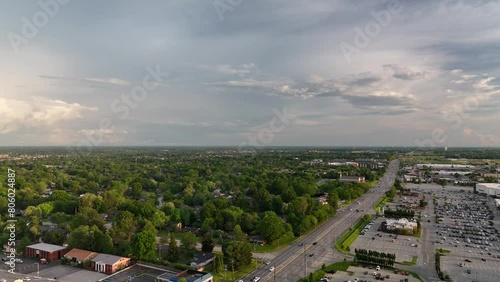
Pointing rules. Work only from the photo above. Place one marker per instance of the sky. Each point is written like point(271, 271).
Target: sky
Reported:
point(250, 73)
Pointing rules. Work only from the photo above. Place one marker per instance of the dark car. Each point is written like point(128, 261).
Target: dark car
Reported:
point(468, 260)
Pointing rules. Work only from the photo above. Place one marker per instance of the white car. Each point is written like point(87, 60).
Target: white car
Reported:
point(377, 268)
point(256, 279)
point(271, 269)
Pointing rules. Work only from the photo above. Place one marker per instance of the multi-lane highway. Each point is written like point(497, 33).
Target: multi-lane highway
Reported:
point(314, 249)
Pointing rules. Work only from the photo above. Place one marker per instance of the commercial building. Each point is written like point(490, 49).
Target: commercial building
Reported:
point(109, 263)
point(491, 189)
point(446, 166)
point(358, 179)
point(401, 223)
point(47, 251)
point(79, 256)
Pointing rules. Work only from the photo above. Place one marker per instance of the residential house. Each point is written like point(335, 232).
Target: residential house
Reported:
point(201, 259)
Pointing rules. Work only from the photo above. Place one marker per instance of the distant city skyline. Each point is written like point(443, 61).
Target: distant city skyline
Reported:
point(250, 73)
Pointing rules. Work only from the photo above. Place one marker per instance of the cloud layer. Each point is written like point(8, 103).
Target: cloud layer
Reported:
point(432, 65)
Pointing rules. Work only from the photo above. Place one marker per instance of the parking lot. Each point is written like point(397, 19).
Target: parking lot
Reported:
point(366, 274)
point(403, 246)
point(467, 228)
point(27, 266)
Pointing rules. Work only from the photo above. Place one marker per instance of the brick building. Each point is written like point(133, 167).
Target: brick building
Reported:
point(47, 251)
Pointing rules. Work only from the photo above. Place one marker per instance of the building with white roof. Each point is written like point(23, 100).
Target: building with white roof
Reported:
point(491, 189)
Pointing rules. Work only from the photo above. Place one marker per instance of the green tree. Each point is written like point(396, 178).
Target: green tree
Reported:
point(271, 226)
point(237, 254)
point(144, 245)
point(136, 190)
point(90, 238)
point(207, 243)
point(333, 199)
point(173, 249)
point(90, 217)
point(52, 237)
point(188, 243)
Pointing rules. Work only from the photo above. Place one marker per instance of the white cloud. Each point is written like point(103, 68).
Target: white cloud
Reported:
point(37, 112)
point(241, 70)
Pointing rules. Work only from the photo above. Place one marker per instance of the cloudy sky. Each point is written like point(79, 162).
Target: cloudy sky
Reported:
point(258, 73)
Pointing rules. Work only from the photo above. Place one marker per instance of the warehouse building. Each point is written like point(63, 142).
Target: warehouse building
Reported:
point(491, 189)
point(47, 251)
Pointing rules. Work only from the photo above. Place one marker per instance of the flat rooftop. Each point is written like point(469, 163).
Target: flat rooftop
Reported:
point(46, 247)
point(490, 185)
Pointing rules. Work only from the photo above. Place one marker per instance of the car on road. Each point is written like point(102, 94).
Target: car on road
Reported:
point(256, 278)
point(468, 260)
point(469, 271)
point(271, 269)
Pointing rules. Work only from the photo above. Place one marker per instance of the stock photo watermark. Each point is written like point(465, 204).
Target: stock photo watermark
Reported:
point(266, 135)
point(11, 223)
point(40, 19)
point(454, 117)
point(223, 6)
point(122, 107)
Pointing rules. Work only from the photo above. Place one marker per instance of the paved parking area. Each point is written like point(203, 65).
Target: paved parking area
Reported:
point(385, 242)
point(465, 228)
point(359, 272)
point(58, 271)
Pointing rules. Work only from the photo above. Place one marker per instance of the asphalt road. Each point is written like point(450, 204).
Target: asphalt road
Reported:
point(290, 263)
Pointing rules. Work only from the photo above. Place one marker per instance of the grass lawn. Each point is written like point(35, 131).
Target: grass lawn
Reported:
point(381, 203)
point(339, 266)
point(443, 251)
point(412, 262)
point(350, 236)
point(165, 235)
point(230, 276)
